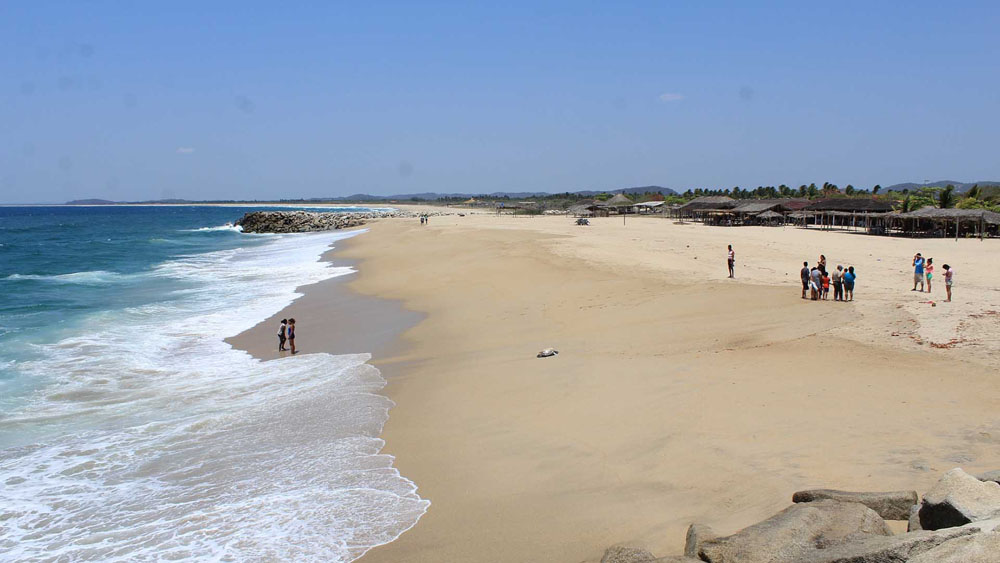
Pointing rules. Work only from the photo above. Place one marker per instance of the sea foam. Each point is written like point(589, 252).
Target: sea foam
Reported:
point(151, 438)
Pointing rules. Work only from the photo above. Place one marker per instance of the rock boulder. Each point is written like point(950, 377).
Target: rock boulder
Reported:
point(627, 554)
point(697, 534)
point(977, 548)
point(893, 505)
point(794, 532)
point(958, 499)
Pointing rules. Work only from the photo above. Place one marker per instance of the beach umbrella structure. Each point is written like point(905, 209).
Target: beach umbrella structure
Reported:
point(620, 202)
point(770, 216)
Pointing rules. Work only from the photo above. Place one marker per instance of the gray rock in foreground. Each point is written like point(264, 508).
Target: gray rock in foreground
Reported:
point(627, 554)
point(796, 531)
point(958, 499)
point(913, 522)
point(894, 505)
point(978, 548)
point(890, 549)
point(990, 476)
point(697, 534)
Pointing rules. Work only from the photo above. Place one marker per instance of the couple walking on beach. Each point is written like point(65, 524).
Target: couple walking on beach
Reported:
point(286, 332)
point(924, 269)
point(817, 281)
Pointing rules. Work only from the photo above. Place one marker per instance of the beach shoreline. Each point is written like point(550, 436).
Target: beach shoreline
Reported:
point(675, 398)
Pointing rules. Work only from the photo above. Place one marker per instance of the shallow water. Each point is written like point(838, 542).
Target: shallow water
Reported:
point(131, 431)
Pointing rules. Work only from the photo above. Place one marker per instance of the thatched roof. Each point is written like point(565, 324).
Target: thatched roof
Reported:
point(620, 200)
point(934, 213)
point(850, 204)
point(709, 202)
point(770, 215)
point(755, 206)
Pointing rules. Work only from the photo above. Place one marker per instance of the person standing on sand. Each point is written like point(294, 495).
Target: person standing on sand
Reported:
point(822, 263)
point(804, 275)
point(918, 272)
point(732, 261)
point(838, 283)
point(949, 276)
point(929, 269)
point(849, 278)
point(815, 283)
point(291, 335)
point(826, 286)
point(282, 331)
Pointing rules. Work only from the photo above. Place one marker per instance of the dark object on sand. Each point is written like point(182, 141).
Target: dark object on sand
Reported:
point(583, 221)
point(546, 353)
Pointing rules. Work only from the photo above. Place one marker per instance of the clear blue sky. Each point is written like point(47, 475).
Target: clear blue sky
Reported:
point(138, 100)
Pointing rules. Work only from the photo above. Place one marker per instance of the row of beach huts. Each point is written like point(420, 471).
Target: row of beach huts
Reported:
point(870, 215)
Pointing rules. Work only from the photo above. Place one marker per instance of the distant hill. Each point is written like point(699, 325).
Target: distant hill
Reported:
point(960, 187)
point(90, 202)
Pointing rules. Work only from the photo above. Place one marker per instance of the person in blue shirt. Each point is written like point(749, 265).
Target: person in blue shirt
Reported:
point(849, 277)
point(918, 272)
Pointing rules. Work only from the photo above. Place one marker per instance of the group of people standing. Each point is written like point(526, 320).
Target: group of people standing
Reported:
point(923, 269)
point(286, 333)
point(817, 281)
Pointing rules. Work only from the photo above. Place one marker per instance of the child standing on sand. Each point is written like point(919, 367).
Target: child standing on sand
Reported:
point(929, 272)
point(949, 276)
point(291, 335)
point(826, 286)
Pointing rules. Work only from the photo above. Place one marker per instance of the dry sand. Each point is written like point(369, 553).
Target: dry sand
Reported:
point(678, 395)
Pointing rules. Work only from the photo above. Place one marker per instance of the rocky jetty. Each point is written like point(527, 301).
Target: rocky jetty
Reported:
point(307, 221)
point(959, 517)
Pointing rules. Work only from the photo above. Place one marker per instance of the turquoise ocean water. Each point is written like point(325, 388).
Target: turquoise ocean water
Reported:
point(129, 430)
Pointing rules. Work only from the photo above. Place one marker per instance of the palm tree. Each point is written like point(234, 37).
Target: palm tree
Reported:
point(946, 198)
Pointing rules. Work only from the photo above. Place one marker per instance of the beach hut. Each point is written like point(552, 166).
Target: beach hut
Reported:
point(850, 212)
point(931, 221)
point(770, 218)
point(620, 201)
point(650, 206)
point(705, 203)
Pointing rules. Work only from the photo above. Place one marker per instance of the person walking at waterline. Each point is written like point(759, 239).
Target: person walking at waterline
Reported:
point(291, 335)
point(282, 332)
point(732, 261)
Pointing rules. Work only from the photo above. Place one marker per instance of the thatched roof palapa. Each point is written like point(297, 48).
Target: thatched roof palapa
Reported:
point(770, 215)
point(709, 202)
point(754, 206)
point(935, 214)
point(619, 200)
point(851, 205)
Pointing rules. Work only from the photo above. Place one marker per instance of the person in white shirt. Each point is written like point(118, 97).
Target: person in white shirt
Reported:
point(282, 331)
point(732, 260)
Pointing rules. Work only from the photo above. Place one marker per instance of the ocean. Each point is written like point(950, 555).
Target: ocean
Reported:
point(130, 431)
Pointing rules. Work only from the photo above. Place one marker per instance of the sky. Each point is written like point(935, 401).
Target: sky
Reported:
point(253, 100)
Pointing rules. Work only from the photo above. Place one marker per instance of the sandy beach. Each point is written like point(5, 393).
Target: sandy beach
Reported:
point(677, 396)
